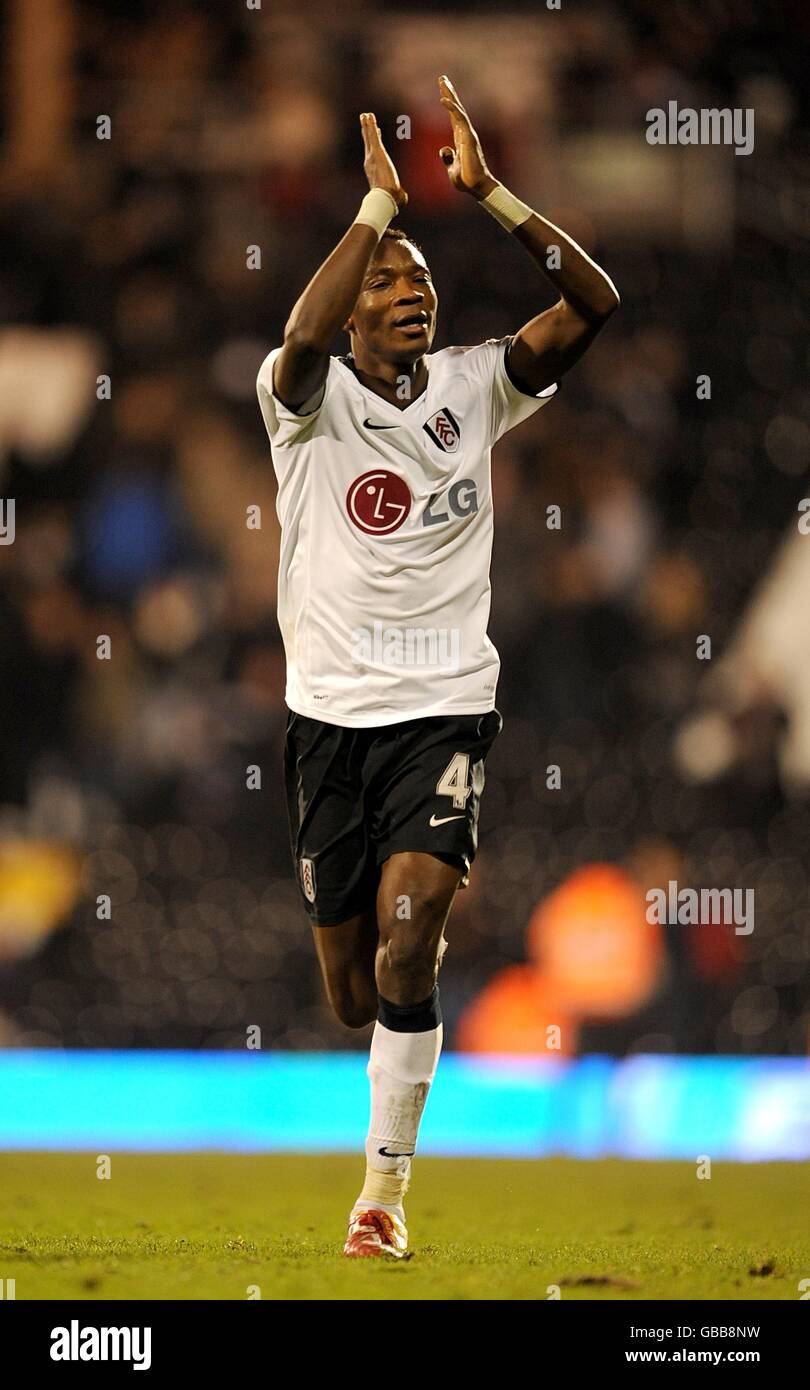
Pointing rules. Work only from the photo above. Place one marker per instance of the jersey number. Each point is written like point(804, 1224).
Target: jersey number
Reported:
point(454, 780)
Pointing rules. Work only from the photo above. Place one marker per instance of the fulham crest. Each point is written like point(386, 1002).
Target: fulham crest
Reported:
point(443, 430)
point(308, 879)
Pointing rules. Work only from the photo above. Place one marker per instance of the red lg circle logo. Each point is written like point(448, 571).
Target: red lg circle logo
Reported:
point(378, 502)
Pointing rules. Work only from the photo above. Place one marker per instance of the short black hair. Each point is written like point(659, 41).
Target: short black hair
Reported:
point(397, 234)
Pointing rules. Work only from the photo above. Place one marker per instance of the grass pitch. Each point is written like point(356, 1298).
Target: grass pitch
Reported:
point(213, 1226)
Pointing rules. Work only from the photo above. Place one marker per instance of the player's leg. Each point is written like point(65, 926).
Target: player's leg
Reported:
point(347, 954)
point(426, 800)
point(357, 962)
point(334, 861)
point(413, 904)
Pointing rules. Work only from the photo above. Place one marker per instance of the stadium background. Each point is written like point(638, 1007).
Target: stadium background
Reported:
point(127, 257)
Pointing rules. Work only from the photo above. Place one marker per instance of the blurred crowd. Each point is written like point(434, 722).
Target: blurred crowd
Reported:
point(146, 893)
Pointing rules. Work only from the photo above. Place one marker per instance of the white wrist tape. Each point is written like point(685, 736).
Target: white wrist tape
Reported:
point(377, 209)
point(506, 208)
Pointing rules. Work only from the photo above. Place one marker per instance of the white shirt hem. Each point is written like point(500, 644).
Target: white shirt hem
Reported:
point(379, 720)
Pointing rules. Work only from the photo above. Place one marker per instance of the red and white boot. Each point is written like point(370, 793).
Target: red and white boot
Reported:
point(374, 1232)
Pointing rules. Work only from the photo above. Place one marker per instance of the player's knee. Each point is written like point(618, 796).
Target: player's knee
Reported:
point(353, 1013)
point(411, 952)
point(349, 1008)
point(411, 936)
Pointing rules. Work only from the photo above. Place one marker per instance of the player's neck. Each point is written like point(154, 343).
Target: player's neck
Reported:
point(387, 379)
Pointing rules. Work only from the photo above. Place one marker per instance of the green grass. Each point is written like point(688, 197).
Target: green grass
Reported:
point(208, 1226)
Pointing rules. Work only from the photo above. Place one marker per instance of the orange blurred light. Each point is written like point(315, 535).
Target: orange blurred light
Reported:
point(516, 1012)
point(598, 952)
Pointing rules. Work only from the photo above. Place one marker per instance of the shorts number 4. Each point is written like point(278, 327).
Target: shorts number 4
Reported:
point(454, 781)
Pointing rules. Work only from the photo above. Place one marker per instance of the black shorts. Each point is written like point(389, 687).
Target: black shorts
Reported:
point(356, 796)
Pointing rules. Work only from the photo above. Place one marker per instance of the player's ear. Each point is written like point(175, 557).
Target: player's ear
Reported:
point(348, 326)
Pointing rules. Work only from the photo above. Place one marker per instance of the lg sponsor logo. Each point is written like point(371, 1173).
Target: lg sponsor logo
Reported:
point(379, 502)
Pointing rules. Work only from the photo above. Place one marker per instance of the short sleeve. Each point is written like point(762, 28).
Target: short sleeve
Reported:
point(283, 424)
point(509, 406)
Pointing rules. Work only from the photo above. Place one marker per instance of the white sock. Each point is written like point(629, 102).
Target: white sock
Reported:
point(401, 1068)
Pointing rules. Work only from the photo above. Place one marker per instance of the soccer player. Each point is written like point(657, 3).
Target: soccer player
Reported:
point(383, 465)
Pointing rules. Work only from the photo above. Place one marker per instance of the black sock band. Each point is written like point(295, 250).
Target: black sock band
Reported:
point(410, 1018)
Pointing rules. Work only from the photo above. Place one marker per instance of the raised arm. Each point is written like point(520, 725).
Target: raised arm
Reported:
point(322, 310)
point(550, 343)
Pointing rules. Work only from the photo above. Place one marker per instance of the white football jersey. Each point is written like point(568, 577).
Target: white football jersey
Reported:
point(386, 539)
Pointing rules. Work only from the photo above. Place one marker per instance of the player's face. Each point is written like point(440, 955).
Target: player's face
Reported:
point(395, 314)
